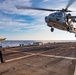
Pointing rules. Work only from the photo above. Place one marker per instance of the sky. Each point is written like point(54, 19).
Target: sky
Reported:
point(19, 24)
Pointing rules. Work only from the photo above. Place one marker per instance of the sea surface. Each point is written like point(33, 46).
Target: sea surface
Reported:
point(13, 43)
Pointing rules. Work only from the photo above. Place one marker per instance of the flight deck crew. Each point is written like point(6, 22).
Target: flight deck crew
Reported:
point(1, 55)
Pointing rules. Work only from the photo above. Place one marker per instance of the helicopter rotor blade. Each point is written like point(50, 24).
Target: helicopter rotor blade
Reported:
point(25, 7)
point(70, 3)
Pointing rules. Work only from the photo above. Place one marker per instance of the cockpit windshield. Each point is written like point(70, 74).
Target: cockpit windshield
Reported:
point(57, 14)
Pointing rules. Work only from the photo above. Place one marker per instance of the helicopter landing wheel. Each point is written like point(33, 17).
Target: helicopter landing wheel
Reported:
point(68, 28)
point(52, 29)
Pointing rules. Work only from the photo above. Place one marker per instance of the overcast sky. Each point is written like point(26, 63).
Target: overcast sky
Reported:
point(30, 24)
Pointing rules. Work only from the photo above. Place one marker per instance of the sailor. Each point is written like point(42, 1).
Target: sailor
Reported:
point(1, 55)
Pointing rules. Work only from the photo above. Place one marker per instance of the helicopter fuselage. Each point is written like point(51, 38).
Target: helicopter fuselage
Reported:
point(58, 20)
point(56, 24)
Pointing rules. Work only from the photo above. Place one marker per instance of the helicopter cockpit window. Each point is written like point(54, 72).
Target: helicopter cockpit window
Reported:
point(52, 15)
point(59, 14)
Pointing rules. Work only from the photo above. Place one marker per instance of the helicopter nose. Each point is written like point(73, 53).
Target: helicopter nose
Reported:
point(47, 19)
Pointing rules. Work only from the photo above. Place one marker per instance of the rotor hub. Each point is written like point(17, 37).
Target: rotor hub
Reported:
point(65, 10)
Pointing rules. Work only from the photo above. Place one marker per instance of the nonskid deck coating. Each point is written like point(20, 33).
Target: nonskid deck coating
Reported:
point(54, 61)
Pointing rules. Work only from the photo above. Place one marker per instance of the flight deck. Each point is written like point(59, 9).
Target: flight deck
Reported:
point(49, 59)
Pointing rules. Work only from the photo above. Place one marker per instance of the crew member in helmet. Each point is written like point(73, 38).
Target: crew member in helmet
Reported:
point(69, 23)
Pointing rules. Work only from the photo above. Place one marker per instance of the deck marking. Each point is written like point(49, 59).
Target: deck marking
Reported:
point(64, 57)
point(19, 58)
point(12, 51)
point(55, 56)
point(20, 52)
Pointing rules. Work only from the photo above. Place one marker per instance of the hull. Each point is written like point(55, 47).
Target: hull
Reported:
point(55, 24)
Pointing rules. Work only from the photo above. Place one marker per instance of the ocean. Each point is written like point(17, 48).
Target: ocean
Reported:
point(13, 43)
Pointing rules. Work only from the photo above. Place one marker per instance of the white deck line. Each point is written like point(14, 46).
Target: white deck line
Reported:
point(71, 58)
point(21, 52)
point(12, 51)
point(19, 58)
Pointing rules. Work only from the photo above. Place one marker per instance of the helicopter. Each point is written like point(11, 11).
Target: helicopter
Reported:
point(59, 19)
